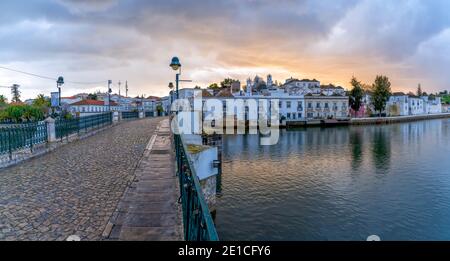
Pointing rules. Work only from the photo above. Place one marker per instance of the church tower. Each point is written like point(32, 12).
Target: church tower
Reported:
point(249, 88)
point(269, 81)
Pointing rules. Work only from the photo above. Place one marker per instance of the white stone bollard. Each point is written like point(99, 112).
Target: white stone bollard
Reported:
point(51, 129)
point(115, 117)
point(141, 115)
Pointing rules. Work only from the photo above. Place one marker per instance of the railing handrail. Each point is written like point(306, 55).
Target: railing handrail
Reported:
point(15, 137)
point(206, 215)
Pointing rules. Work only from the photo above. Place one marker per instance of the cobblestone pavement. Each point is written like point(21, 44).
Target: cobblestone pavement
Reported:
point(73, 190)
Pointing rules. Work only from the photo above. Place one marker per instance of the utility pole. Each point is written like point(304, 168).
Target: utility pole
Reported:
point(120, 97)
point(126, 89)
point(109, 95)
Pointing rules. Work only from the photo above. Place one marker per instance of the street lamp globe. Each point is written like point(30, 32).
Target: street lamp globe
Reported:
point(175, 64)
point(60, 81)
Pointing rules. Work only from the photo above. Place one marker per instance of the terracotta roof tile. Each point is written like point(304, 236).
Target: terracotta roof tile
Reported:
point(92, 102)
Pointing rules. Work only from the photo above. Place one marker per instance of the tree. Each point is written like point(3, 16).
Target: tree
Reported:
point(356, 95)
point(227, 83)
point(213, 86)
point(381, 92)
point(15, 93)
point(3, 99)
point(31, 113)
point(92, 96)
point(41, 101)
point(160, 110)
point(419, 90)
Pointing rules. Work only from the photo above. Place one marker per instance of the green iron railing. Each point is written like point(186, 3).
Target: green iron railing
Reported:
point(15, 137)
point(130, 114)
point(64, 127)
point(198, 222)
point(149, 114)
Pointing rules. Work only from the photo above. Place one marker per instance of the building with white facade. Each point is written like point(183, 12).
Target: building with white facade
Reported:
point(91, 107)
point(401, 104)
point(433, 104)
point(298, 100)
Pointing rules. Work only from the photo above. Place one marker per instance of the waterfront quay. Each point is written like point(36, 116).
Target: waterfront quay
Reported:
point(75, 189)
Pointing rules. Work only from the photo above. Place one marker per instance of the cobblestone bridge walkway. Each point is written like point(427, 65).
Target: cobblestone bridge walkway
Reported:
point(75, 189)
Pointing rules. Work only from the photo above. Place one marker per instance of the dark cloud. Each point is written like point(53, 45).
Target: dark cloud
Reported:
point(327, 39)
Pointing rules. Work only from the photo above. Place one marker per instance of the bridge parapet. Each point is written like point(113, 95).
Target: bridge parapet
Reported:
point(197, 173)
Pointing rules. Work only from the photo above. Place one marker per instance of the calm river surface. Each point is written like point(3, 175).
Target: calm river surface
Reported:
point(343, 183)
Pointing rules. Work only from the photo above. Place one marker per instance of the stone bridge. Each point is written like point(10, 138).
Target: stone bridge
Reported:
point(101, 187)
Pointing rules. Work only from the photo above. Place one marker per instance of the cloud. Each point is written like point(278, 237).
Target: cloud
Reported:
point(330, 40)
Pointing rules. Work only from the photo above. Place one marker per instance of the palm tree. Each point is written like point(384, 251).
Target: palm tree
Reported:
point(41, 101)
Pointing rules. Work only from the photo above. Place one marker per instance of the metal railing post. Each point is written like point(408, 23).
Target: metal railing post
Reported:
point(9, 144)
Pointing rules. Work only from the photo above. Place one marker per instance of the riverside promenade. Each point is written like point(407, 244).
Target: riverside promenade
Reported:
point(397, 119)
point(76, 189)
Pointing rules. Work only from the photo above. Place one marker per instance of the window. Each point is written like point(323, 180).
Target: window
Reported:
point(318, 105)
point(326, 105)
point(309, 105)
point(288, 104)
point(281, 104)
point(289, 116)
point(294, 115)
point(335, 106)
point(300, 106)
point(299, 115)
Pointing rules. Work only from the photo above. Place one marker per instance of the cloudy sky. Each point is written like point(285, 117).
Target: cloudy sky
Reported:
point(96, 40)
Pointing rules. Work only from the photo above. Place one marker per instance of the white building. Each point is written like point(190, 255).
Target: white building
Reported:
point(398, 104)
point(401, 104)
point(91, 107)
point(301, 87)
point(433, 104)
point(297, 100)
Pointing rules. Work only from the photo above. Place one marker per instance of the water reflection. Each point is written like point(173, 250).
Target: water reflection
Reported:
point(356, 141)
point(381, 150)
point(341, 183)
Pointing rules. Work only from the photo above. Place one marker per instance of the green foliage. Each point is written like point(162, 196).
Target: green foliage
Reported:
point(15, 93)
point(356, 94)
point(446, 99)
point(227, 82)
point(419, 90)
point(92, 96)
point(214, 86)
point(67, 115)
point(21, 113)
point(381, 92)
point(3, 100)
point(41, 101)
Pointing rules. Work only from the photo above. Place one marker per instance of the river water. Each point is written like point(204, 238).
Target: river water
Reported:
point(342, 183)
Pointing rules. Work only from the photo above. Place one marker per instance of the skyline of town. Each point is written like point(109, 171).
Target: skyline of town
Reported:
point(6, 92)
point(327, 40)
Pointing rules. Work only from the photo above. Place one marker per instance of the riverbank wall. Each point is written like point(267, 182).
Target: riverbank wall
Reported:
point(389, 120)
